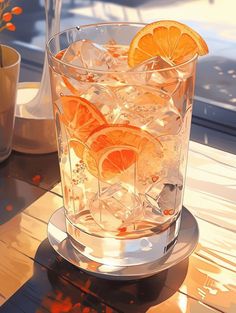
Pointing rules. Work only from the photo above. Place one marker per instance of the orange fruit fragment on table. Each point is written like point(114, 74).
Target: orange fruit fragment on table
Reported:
point(116, 147)
point(171, 40)
point(80, 117)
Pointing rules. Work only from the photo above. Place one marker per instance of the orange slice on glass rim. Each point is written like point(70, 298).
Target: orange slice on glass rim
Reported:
point(116, 147)
point(80, 117)
point(171, 40)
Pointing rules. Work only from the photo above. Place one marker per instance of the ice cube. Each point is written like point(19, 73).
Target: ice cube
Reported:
point(142, 101)
point(76, 79)
point(156, 72)
point(120, 54)
point(117, 73)
point(115, 208)
point(170, 197)
point(148, 108)
point(73, 85)
point(153, 212)
point(154, 63)
point(90, 55)
point(105, 100)
point(72, 54)
point(168, 123)
point(152, 202)
point(94, 56)
point(163, 200)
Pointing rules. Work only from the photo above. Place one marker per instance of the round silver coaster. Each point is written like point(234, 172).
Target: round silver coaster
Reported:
point(186, 243)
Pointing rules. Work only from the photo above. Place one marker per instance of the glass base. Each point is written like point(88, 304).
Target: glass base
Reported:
point(124, 252)
point(4, 154)
point(185, 245)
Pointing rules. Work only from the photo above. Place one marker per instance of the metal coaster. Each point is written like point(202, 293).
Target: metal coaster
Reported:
point(186, 243)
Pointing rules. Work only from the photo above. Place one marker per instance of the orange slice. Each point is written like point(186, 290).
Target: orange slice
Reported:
point(171, 40)
point(117, 160)
point(116, 147)
point(110, 162)
point(80, 117)
point(78, 147)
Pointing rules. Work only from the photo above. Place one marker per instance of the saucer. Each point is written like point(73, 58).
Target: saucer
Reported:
point(186, 243)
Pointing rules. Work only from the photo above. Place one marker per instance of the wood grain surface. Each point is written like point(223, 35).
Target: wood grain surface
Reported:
point(33, 278)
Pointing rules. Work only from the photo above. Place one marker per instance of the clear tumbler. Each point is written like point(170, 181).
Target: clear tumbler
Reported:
point(122, 138)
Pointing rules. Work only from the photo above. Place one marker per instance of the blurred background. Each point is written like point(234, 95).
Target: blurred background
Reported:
point(215, 96)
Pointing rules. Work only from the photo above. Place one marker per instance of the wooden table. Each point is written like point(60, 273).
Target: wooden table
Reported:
point(33, 278)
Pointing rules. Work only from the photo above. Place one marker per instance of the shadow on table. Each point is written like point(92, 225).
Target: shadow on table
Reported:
point(58, 286)
point(45, 292)
point(127, 296)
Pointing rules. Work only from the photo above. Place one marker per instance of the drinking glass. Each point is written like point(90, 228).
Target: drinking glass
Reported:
point(9, 75)
point(122, 138)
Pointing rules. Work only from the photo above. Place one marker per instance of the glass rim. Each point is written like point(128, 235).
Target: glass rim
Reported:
point(17, 54)
point(52, 56)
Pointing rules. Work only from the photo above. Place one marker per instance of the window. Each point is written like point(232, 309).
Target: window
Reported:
point(214, 113)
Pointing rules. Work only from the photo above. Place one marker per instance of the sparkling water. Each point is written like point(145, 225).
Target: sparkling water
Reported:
point(124, 134)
